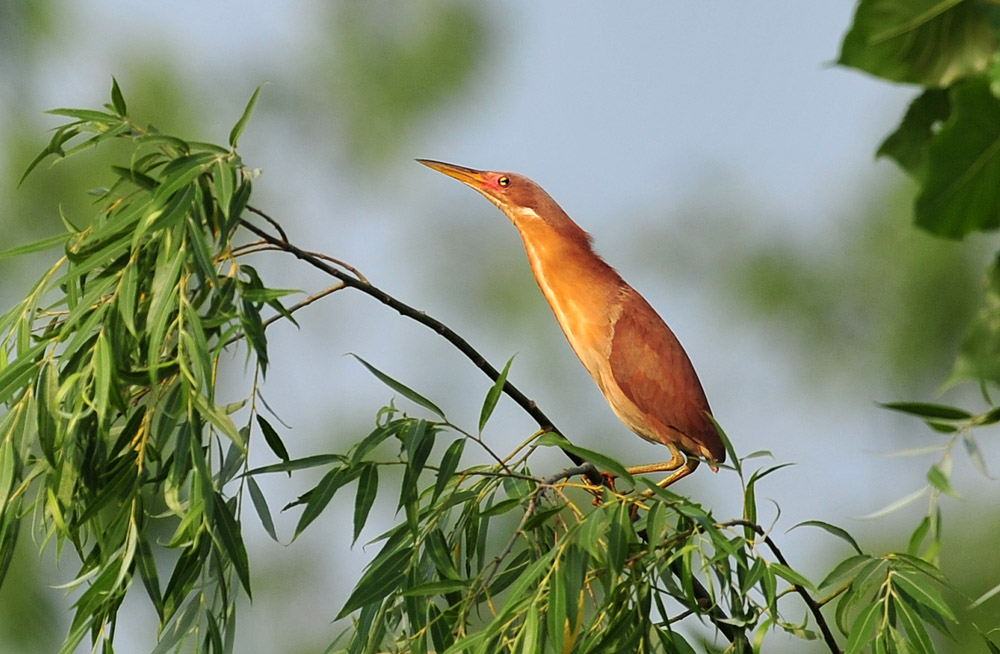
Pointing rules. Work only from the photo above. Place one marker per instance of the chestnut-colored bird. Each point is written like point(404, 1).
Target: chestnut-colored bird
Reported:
point(626, 347)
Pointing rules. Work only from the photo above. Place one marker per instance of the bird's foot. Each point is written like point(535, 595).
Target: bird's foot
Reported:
point(598, 491)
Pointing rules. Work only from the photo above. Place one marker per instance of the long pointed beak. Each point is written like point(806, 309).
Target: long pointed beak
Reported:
point(470, 176)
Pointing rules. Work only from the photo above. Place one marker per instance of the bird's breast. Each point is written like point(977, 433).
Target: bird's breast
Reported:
point(583, 293)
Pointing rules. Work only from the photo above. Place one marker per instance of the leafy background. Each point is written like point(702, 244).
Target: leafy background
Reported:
point(720, 162)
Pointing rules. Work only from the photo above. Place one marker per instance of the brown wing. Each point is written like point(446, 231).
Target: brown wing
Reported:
point(654, 372)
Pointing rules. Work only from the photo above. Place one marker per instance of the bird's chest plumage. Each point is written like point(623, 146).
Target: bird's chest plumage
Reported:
point(583, 293)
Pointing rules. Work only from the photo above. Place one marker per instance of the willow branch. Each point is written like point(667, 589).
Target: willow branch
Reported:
point(354, 280)
point(813, 605)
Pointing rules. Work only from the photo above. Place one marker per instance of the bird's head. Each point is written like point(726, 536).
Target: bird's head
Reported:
point(516, 195)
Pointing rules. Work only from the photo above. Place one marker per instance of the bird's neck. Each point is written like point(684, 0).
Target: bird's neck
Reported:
point(583, 291)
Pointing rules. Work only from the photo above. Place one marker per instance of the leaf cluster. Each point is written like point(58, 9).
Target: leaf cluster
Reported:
point(112, 432)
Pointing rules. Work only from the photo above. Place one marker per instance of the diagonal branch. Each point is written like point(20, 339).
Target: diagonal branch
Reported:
point(356, 281)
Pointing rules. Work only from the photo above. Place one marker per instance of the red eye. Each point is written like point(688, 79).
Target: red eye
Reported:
point(504, 181)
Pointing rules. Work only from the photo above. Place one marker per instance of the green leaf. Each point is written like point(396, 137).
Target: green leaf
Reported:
point(383, 576)
point(493, 395)
point(552, 439)
point(260, 504)
point(440, 587)
point(61, 136)
point(145, 563)
point(831, 529)
point(909, 144)
point(940, 481)
point(791, 576)
point(922, 590)
point(897, 505)
point(272, 438)
point(556, 610)
point(863, 628)
point(437, 549)
point(321, 495)
point(299, 464)
point(927, 42)
point(230, 541)
point(925, 410)
point(35, 246)
point(117, 99)
point(960, 194)
point(234, 134)
point(367, 490)
point(910, 619)
point(405, 391)
point(449, 463)
point(8, 468)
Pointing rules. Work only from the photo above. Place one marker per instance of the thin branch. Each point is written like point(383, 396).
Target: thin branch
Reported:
point(353, 280)
point(813, 605)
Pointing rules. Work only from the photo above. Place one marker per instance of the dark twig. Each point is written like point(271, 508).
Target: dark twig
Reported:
point(463, 346)
point(813, 605)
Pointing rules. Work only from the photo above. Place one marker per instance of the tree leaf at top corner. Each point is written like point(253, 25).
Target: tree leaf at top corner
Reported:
point(933, 43)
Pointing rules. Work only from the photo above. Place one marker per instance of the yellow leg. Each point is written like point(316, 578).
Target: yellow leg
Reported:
point(679, 466)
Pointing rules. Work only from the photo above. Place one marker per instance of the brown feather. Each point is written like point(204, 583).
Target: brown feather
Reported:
point(654, 373)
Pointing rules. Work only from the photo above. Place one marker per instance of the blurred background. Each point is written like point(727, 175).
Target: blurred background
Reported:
point(721, 161)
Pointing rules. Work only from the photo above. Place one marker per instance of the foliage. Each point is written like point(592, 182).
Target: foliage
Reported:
point(108, 370)
point(113, 431)
point(947, 141)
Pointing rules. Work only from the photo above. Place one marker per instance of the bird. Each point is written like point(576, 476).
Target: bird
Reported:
point(630, 352)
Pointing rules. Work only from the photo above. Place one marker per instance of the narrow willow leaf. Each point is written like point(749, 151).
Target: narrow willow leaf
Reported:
point(16, 376)
point(556, 623)
point(35, 246)
point(922, 590)
point(260, 505)
point(975, 455)
point(791, 576)
point(383, 575)
point(103, 376)
point(146, 566)
point(10, 525)
point(272, 438)
point(403, 390)
point(919, 640)
point(305, 462)
point(234, 134)
point(230, 540)
point(8, 468)
point(181, 172)
point(831, 529)
point(218, 419)
point(845, 569)
point(321, 495)
point(551, 439)
point(436, 546)
point(940, 481)
point(363, 501)
point(117, 99)
point(449, 463)
point(897, 505)
point(493, 395)
point(224, 178)
point(863, 628)
point(61, 136)
point(926, 410)
point(985, 596)
point(440, 587)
